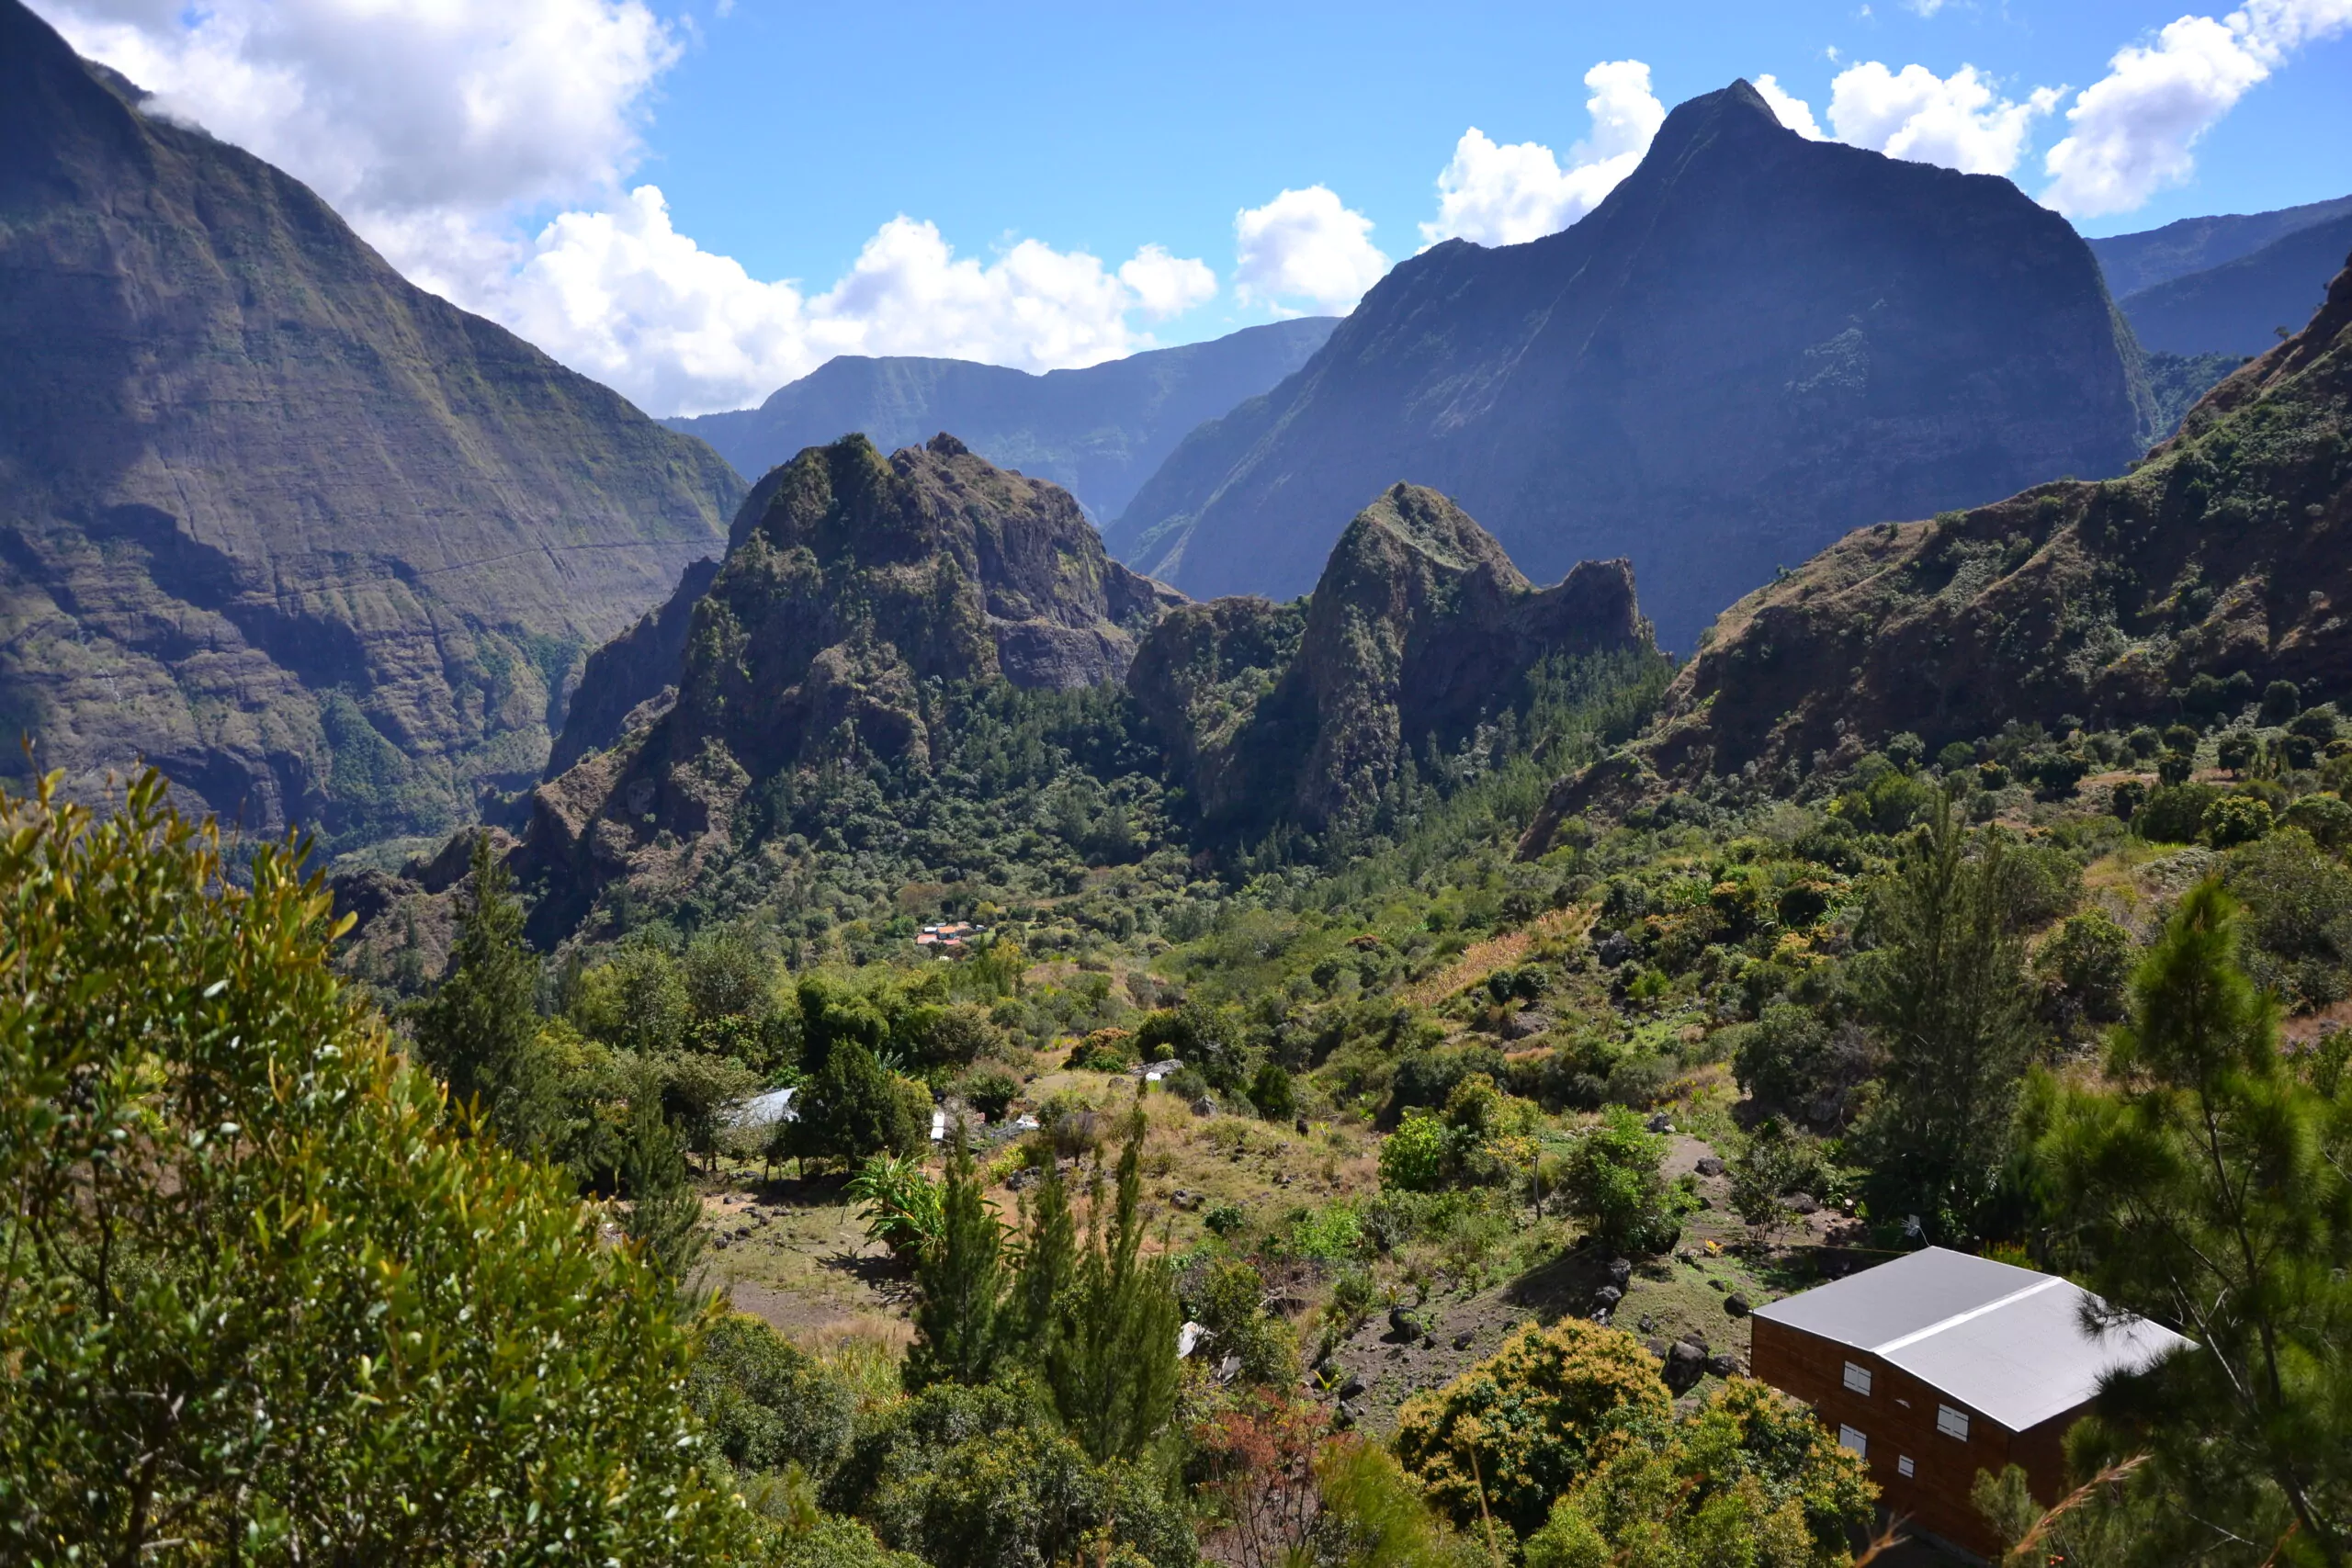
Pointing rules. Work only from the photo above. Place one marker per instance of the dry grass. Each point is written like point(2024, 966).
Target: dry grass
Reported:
point(1481, 959)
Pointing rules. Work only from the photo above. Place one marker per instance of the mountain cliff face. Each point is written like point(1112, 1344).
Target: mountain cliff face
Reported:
point(853, 588)
point(2239, 305)
point(2134, 262)
point(2224, 554)
point(1420, 628)
point(321, 546)
point(1098, 433)
point(1754, 344)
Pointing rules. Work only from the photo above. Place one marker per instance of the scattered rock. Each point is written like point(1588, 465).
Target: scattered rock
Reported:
point(1803, 1203)
point(1650, 1324)
point(1352, 1388)
point(1660, 1123)
point(1428, 1342)
point(1613, 949)
point(1718, 1285)
point(1710, 1165)
point(1736, 1305)
point(1299, 1126)
point(1523, 1025)
point(1228, 1369)
point(1607, 1296)
point(1655, 1347)
point(1346, 1416)
point(1685, 1365)
point(1205, 1106)
point(1403, 1323)
point(1621, 1271)
point(1463, 1340)
point(1725, 1366)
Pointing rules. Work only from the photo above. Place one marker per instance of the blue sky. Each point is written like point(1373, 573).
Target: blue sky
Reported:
point(789, 133)
point(699, 201)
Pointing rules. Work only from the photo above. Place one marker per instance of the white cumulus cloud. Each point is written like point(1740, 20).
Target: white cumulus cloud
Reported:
point(1305, 246)
point(446, 130)
point(2133, 132)
point(1959, 121)
point(1790, 110)
point(1503, 195)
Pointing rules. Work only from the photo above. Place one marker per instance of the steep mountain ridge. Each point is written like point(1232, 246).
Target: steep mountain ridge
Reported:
point(854, 589)
point(1420, 628)
point(2224, 555)
point(2240, 306)
point(1755, 342)
point(2134, 262)
point(1097, 432)
point(320, 544)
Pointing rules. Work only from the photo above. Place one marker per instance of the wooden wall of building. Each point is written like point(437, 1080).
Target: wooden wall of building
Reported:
point(1899, 1418)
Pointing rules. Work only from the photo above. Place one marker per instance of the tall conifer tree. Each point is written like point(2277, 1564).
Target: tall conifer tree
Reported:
point(963, 1318)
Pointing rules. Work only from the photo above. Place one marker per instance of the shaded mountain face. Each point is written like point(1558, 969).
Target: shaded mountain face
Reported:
point(2134, 262)
point(2223, 556)
point(1754, 344)
point(319, 544)
point(853, 589)
point(1419, 629)
point(1098, 433)
point(2243, 306)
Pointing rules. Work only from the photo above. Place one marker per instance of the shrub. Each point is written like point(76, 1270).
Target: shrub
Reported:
point(1532, 1417)
point(1783, 1057)
point(2089, 963)
point(767, 1404)
point(1226, 1219)
point(2325, 817)
point(1753, 1477)
point(1418, 1157)
point(2174, 813)
point(897, 1202)
point(1270, 1092)
point(2298, 913)
point(1612, 1184)
point(315, 1319)
point(991, 1092)
point(2236, 819)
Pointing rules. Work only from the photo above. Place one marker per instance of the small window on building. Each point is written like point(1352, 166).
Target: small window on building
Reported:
point(1848, 1437)
point(1951, 1423)
point(1903, 1466)
point(1858, 1379)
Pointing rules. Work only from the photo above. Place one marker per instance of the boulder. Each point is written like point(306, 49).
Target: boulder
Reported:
point(1710, 1165)
point(1685, 1365)
point(1736, 1305)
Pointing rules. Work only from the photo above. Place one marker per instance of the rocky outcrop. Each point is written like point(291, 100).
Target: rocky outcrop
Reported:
point(1097, 432)
point(320, 544)
point(2227, 553)
point(1755, 343)
point(632, 679)
point(852, 582)
point(1419, 629)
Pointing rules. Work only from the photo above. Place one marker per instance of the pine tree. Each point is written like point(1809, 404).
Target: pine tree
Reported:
point(963, 1317)
point(1113, 1366)
point(479, 1033)
point(2210, 1192)
point(665, 1211)
point(1949, 997)
point(1049, 1263)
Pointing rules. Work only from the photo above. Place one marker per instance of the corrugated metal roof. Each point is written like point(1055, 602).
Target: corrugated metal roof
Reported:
point(2007, 1342)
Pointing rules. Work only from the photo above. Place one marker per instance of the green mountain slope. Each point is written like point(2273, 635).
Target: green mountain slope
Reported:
point(1754, 344)
point(857, 593)
point(1098, 433)
point(2221, 558)
point(321, 546)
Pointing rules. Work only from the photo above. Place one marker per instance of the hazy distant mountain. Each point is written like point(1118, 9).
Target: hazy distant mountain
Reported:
point(1754, 345)
point(1098, 433)
point(2134, 262)
point(323, 546)
point(2242, 306)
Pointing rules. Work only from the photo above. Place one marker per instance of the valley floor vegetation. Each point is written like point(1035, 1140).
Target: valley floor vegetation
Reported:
point(2064, 997)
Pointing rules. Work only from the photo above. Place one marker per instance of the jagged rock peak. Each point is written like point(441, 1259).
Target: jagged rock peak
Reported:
point(1420, 628)
point(850, 580)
